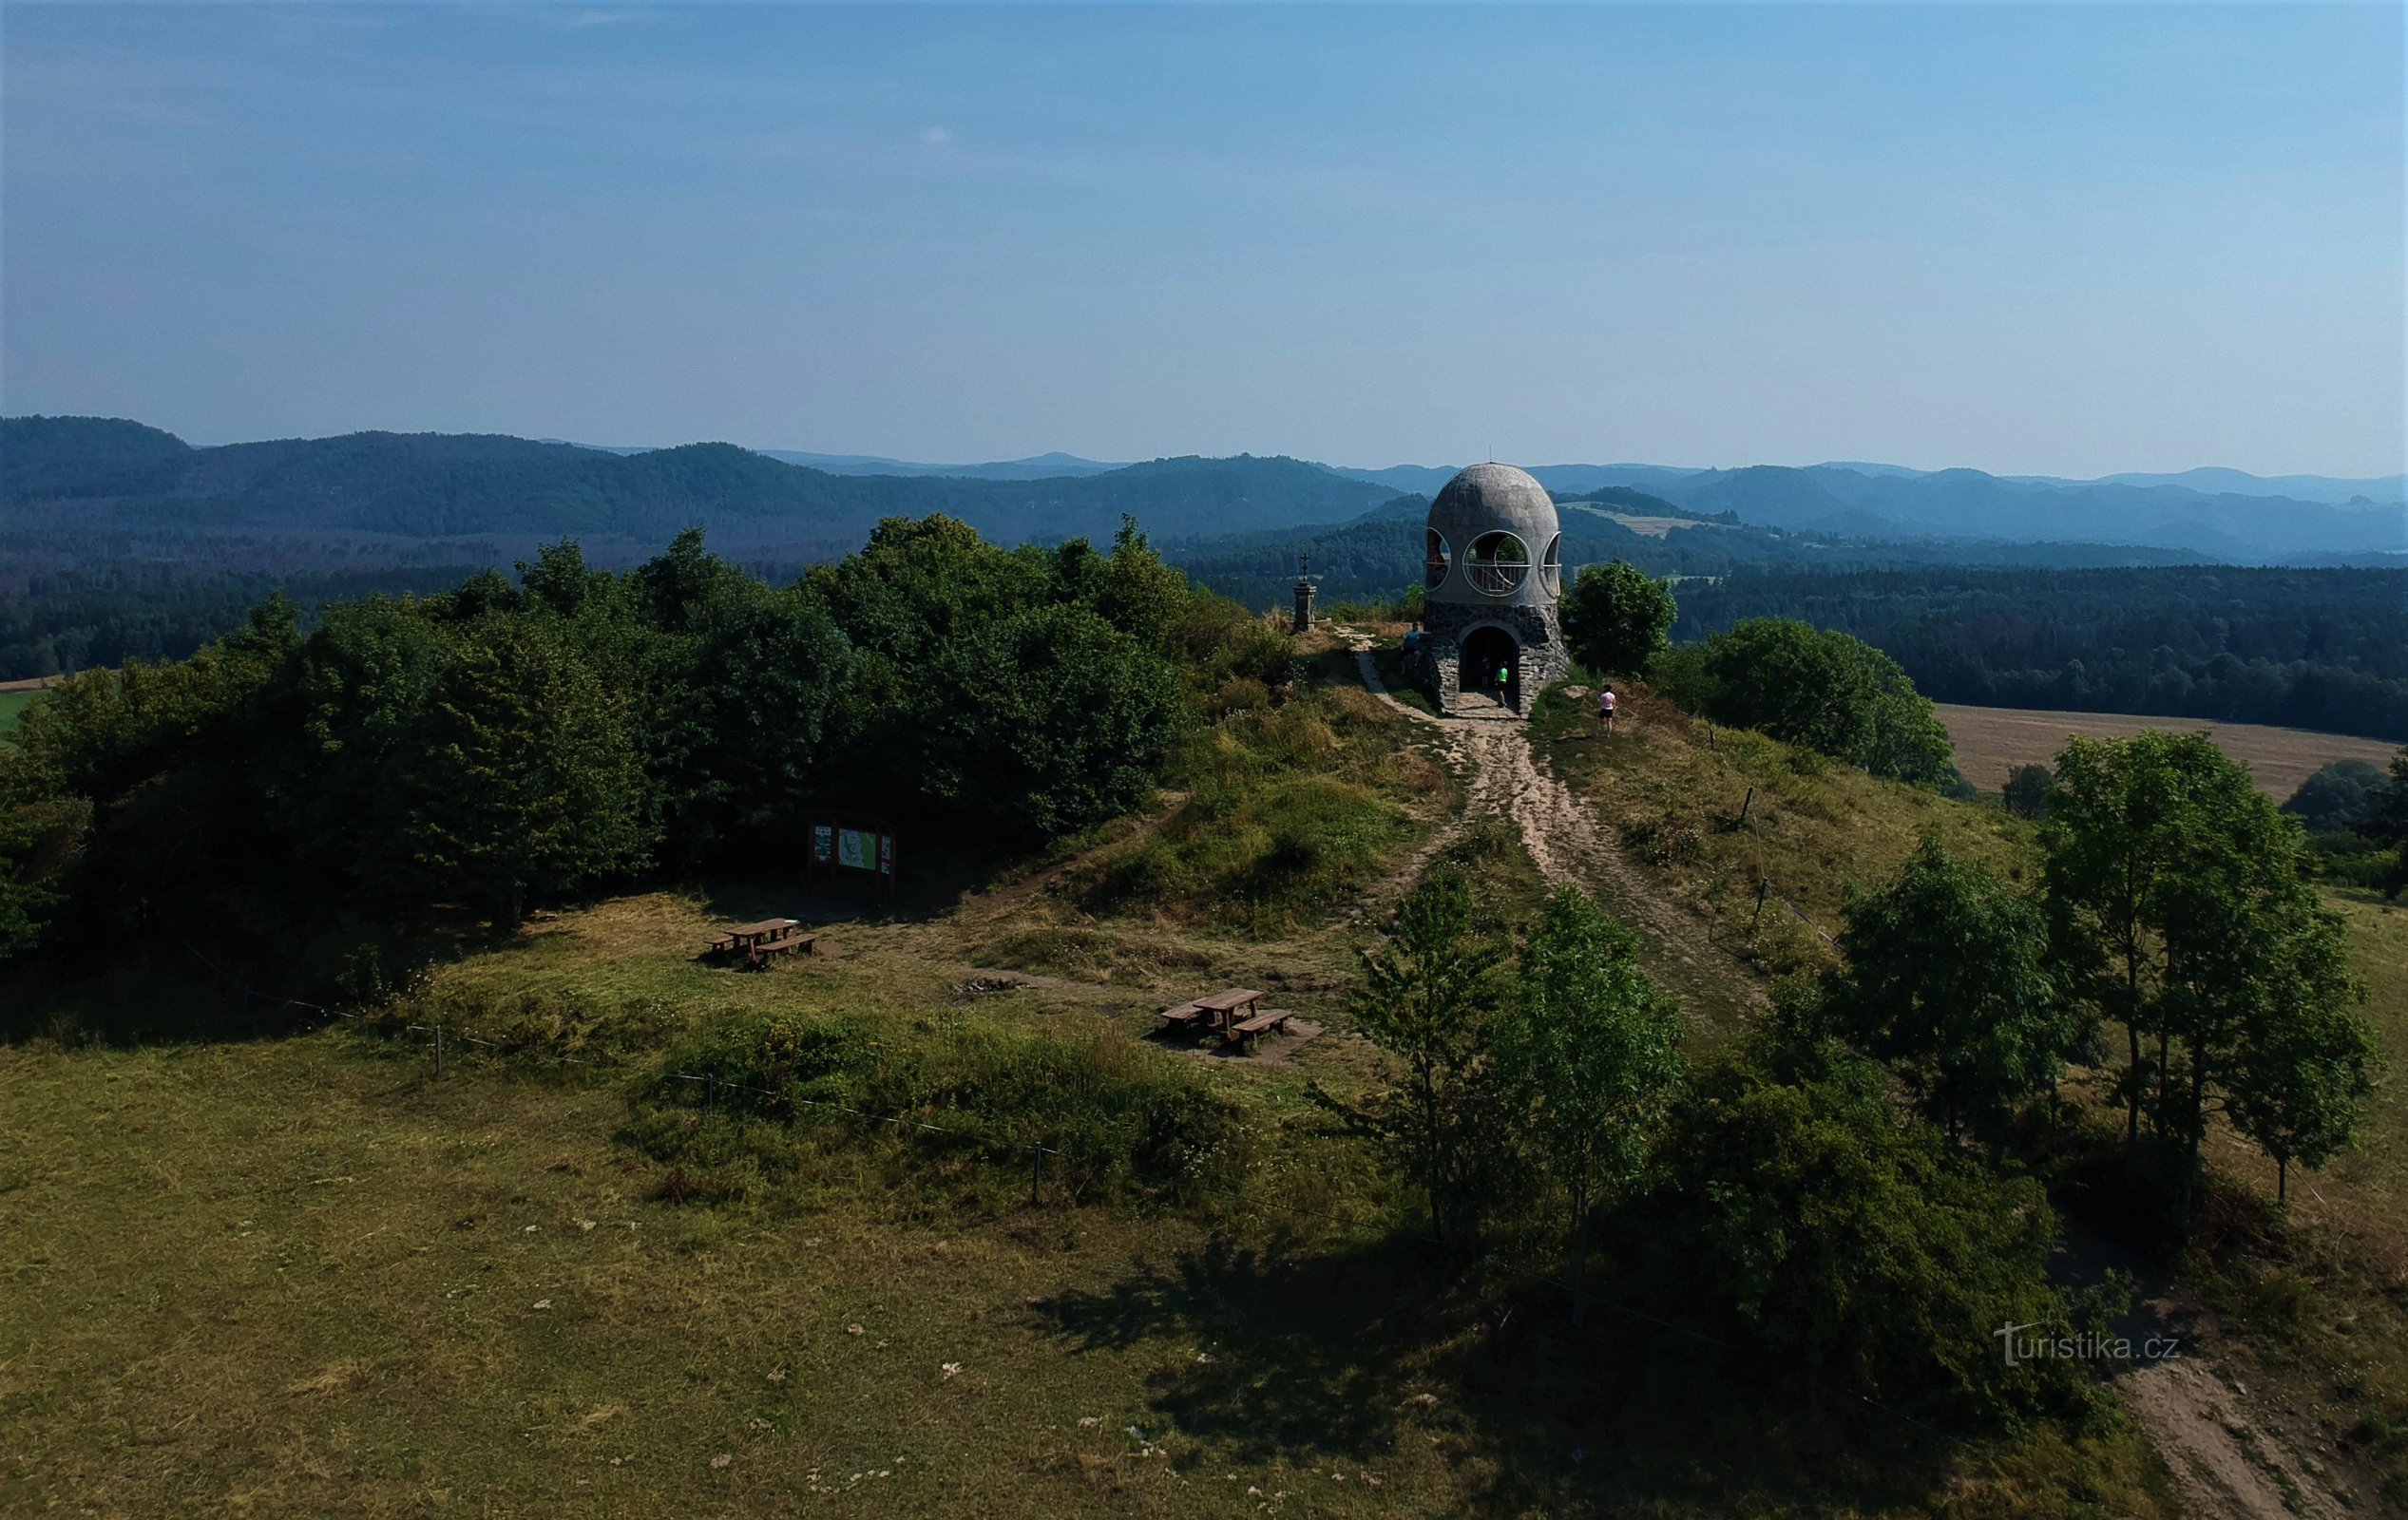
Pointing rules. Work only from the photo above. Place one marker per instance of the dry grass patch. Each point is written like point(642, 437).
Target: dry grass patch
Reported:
point(1676, 788)
point(1990, 741)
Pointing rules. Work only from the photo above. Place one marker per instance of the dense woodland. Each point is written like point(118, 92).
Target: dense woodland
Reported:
point(508, 742)
point(2315, 649)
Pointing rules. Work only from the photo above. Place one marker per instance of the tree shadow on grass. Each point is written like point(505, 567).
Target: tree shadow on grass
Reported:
point(1355, 1356)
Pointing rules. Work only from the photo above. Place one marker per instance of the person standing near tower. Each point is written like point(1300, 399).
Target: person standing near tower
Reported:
point(1605, 709)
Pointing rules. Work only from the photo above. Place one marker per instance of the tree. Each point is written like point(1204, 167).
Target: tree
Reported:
point(2115, 834)
point(524, 779)
point(1051, 721)
point(1821, 689)
point(1947, 976)
point(40, 835)
point(2389, 821)
point(336, 737)
point(2305, 1067)
point(1594, 1047)
point(1428, 997)
point(1618, 618)
point(2343, 795)
point(2167, 864)
point(2257, 984)
point(2027, 790)
point(1858, 1250)
point(769, 679)
point(1139, 594)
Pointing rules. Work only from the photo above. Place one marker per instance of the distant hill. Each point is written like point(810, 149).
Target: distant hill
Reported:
point(1967, 504)
point(81, 477)
point(89, 476)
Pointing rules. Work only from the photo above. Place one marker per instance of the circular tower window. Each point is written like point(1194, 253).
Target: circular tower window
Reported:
point(1434, 560)
point(1498, 564)
point(1551, 568)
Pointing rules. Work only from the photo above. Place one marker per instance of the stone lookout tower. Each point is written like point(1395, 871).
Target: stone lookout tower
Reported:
point(1492, 570)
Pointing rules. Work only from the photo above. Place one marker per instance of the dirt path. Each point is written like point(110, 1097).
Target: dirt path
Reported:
point(1569, 844)
point(2228, 1460)
point(2226, 1464)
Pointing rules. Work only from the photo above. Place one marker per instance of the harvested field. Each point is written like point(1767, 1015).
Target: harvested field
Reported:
point(1991, 740)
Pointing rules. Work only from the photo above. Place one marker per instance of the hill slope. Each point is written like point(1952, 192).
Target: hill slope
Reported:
point(61, 475)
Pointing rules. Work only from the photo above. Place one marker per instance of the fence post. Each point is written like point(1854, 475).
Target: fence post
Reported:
point(438, 1049)
point(1746, 803)
point(709, 1091)
point(1764, 885)
point(1036, 1172)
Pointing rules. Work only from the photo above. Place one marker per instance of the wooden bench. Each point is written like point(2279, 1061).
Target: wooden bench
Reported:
point(1180, 1014)
point(1270, 1018)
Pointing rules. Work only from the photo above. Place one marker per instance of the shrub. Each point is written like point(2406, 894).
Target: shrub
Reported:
point(1123, 1121)
point(1858, 1250)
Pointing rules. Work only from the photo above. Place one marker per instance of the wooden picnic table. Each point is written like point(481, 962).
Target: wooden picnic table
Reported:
point(1220, 1014)
point(770, 937)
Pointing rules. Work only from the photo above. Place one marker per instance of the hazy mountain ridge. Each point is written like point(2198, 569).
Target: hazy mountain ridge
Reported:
point(99, 475)
point(59, 475)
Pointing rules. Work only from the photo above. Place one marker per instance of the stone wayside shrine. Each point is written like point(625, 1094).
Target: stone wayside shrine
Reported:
point(1493, 571)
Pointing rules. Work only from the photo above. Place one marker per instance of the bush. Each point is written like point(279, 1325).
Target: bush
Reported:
point(1858, 1249)
point(1821, 691)
point(1125, 1122)
point(1618, 618)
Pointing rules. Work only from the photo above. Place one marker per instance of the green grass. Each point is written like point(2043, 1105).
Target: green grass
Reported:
point(2318, 1295)
point(1286, 812)
point(13, 706)
point(1676, 788)
point(304, 1276)
point(295, 1275)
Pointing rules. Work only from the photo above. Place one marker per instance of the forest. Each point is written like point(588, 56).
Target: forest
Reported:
point(2315, 649)
point(510, 741)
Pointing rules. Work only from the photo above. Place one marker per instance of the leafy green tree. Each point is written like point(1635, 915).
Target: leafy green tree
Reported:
point(525, 778)
point(1947, 976)
point(1823, 690)
point(1594, 1048)
point(2027, 790)
point(1051, 721)
point(1618, 618)
point(1859, 1251)
point(1909, 742)
point(2255, 972)
point(40, 835)
point(1139, 594)
point(2305, 1070)
point(1430, 998)
point(2343, 795)
point(2389, 821)
point(770, 681)
point(2114, 838)
point(337, 735)
point(920, 586)
point(2170, 868)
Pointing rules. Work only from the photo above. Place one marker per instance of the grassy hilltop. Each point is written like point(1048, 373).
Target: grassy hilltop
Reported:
point(650, 1244)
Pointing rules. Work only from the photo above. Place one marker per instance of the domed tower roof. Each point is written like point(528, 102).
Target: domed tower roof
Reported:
point(1494, 539)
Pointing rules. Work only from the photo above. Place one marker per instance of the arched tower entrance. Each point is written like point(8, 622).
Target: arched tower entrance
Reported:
point(1492, 570)
point(1491, 666)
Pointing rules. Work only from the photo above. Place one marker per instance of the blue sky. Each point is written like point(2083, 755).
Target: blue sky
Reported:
point(2035, 239)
